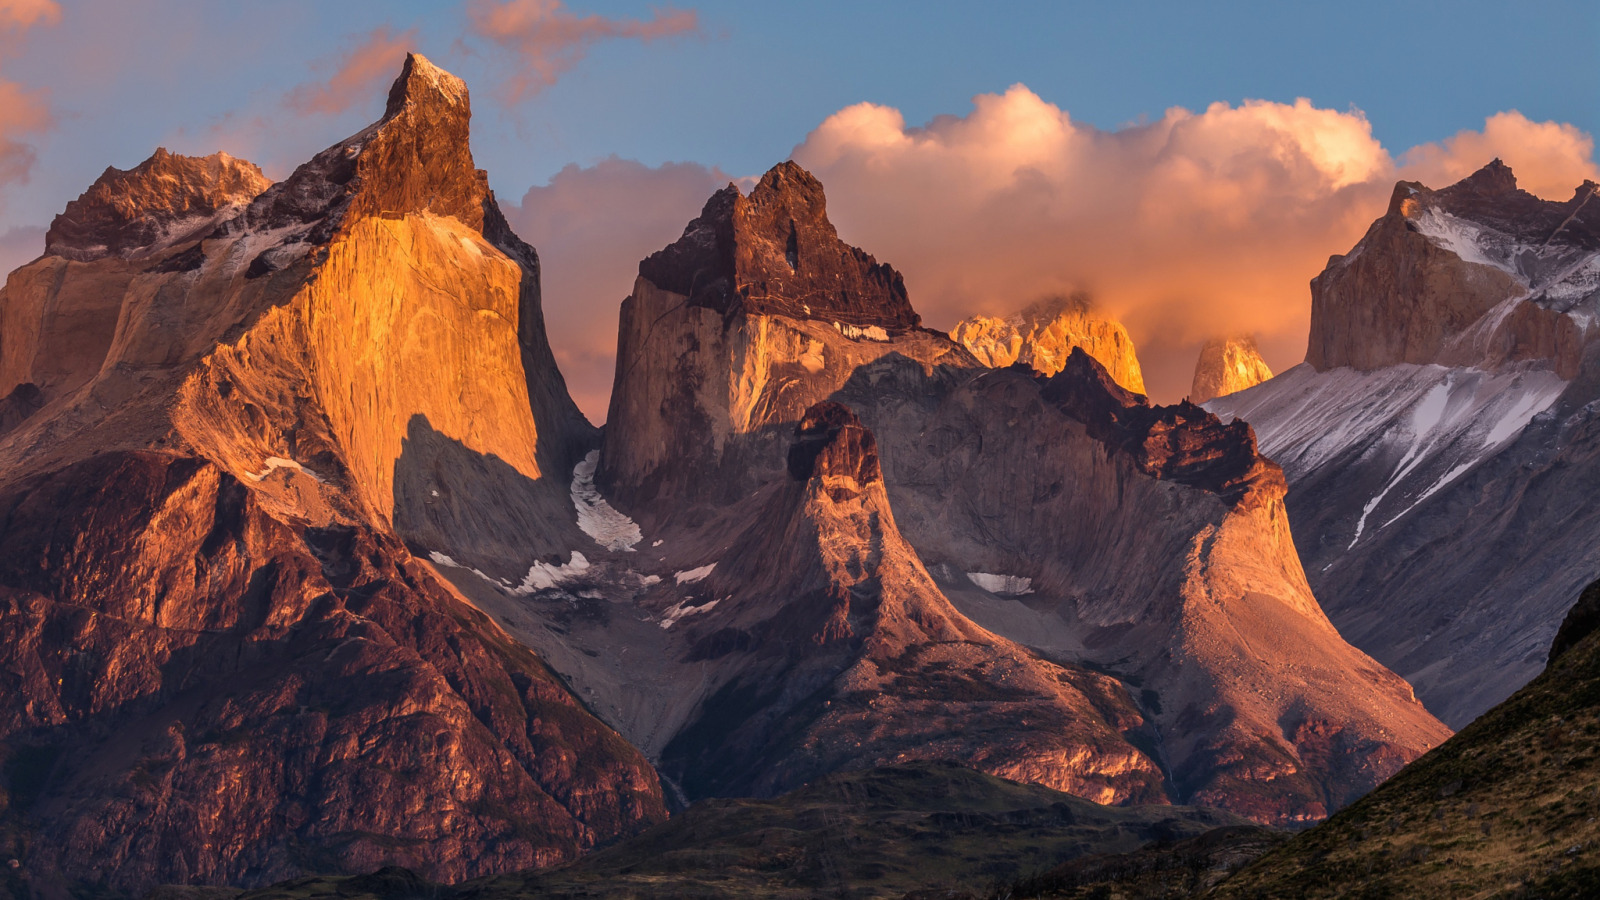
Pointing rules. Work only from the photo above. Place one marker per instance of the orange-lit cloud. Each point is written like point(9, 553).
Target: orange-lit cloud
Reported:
point(1550, 158)
point(22, 14)
point(1185, 227)
point(592, 226)
point(548, 39)
point(361, 73)
point(1193, 225)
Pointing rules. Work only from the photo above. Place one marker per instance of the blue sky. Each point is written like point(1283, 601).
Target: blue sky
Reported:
point(747, 86)
point(763, 74)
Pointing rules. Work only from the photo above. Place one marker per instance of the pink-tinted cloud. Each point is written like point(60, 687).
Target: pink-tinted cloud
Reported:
point(1550, 158)
point(1190, 226)
point(592, 226)
point(548, 39)
point(358, 75)
point(22, 113)
point(23, 14)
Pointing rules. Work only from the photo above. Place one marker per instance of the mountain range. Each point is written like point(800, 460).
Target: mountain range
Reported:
point(312, 566)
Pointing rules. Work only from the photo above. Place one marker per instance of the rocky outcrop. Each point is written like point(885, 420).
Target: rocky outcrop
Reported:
point(1432, 439)
point(1044, 335)
point(1421, 285)
point(1227, 366)
point(224, 647)
point(165, 200)
point(775, 252)
point(1011, 491)
point(202, 693)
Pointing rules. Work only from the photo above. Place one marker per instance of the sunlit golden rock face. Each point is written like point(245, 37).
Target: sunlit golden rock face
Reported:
point(1044, 335)
point(1227, 366)
point(233, 412)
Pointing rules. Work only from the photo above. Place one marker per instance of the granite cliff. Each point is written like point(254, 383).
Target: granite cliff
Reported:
point(228, 665)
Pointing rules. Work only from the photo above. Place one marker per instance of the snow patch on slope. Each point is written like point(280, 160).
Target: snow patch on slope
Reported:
point(609, 528)
point(1006, 585)
point(682, 609)
point(690, 576)
point(278, 462)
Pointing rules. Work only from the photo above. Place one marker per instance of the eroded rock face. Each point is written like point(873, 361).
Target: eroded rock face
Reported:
point(1227, 366)
point(1012, 492)
point(163, 201)
point(1044, 335)
point(237, 667)
point(1421, 285)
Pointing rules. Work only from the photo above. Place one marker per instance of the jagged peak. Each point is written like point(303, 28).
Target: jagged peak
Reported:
point(163, 200)
point(416, 159)
point(775, 252)
point(1495, 177)
point(422, 82)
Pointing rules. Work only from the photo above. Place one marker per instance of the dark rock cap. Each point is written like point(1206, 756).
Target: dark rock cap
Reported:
point(775, 252)
point(417, 158)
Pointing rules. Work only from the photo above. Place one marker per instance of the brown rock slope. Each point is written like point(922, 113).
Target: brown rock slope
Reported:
point(1044, 335)
point(1506, 808)
point(1227, 366)
point(1434, 439)
point(1064, 514)
point(226, 665)
point(849, 656)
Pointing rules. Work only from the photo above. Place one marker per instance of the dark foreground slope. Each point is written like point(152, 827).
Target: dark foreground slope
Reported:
point(1508, 807)
point(877, 833)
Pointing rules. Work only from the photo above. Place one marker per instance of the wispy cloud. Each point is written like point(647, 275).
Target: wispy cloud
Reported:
point(547, 39)
point(357, 74)
point(23, 14)
point(23, 112)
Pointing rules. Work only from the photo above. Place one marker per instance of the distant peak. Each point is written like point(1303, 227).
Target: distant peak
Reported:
point(1494, 178)
point(155, 204)
point(423, 83)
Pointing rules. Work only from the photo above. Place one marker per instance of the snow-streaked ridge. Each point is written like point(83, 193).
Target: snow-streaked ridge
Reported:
point(1432, 423)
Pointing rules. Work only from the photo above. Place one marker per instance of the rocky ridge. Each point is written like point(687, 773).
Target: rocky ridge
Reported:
point(1280, 729)
point(1432, 438)
point(211, 514)
point(1227, 366)
point(1043, 335)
